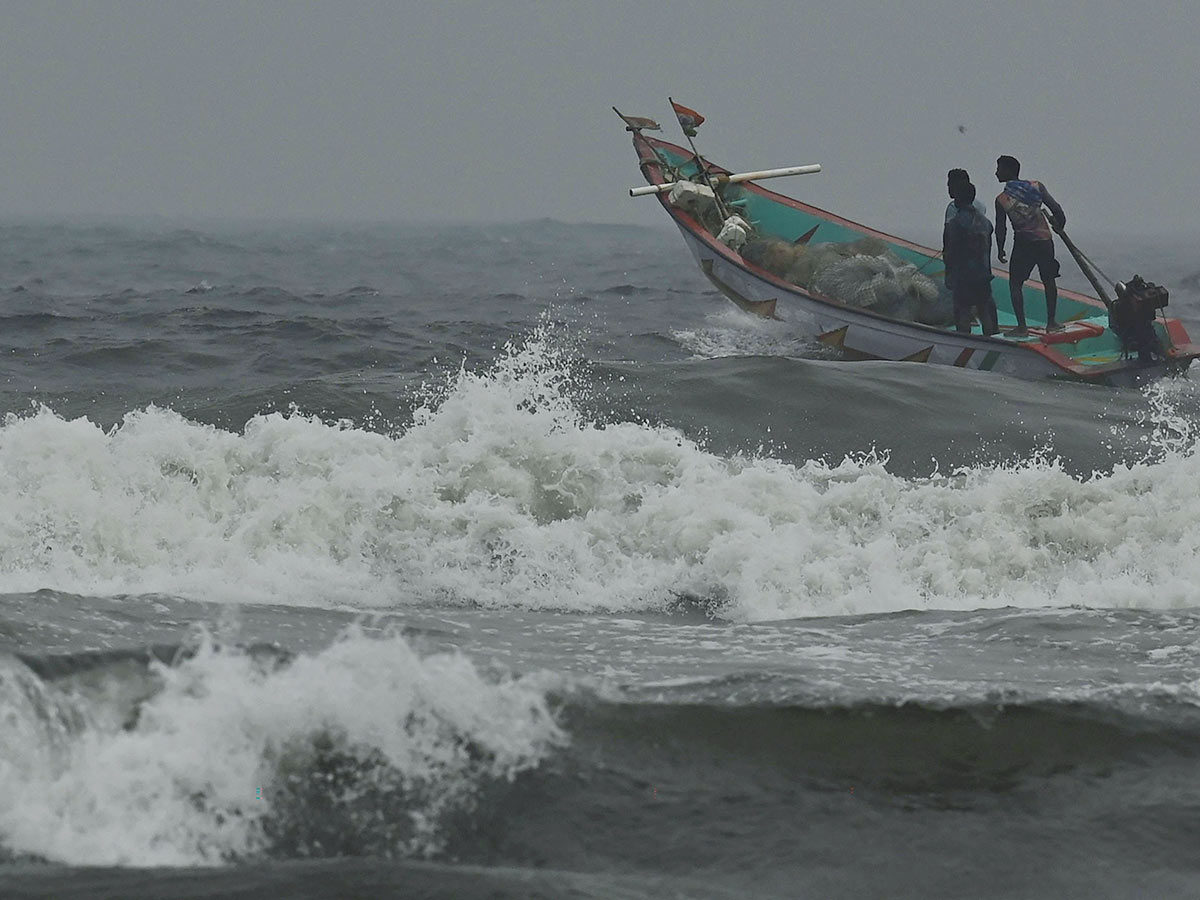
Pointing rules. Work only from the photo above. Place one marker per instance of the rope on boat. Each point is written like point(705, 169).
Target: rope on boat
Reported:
point(930, 261)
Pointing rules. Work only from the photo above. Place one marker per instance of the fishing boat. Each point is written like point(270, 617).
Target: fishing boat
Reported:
point(778, 257)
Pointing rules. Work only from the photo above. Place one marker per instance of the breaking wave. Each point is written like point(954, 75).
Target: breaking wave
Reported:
point(501, 493)
point(366, 748)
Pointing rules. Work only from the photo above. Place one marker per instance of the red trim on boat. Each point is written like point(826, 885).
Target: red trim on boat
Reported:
point(1073, 333)
point(1176, 332)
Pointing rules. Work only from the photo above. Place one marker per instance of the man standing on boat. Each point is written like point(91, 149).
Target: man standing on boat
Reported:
point(967, 253)
point(1033, 245)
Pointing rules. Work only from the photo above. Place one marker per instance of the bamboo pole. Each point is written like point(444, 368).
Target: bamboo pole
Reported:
point(737, 178)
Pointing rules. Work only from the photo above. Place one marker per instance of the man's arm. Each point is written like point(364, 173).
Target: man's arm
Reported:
point(1059, 219)
point(1001, 231)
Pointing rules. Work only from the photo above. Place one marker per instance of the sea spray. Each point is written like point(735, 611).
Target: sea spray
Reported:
point(502, 493)
point(730, 332)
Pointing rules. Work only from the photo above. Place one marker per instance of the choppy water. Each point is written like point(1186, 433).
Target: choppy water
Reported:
point(512, 561)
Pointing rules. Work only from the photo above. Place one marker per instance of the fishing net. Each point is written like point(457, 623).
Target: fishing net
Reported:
point(885, 286)
point(862, 273)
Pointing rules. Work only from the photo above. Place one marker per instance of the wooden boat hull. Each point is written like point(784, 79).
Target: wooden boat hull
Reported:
point(1085, 350)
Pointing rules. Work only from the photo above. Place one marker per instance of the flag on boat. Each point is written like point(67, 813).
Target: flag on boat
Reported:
point(637, 123)
point(689, 119)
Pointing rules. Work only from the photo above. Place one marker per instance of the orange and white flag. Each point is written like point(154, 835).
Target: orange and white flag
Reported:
point(689, 119)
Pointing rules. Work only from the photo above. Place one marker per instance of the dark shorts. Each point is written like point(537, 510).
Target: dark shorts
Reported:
point(1026, 255)
point(972, 297)
point(968, 296)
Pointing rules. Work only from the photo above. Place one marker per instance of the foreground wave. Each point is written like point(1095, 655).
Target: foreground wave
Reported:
point(501, 493)
point(366, 748)
point(210, 755)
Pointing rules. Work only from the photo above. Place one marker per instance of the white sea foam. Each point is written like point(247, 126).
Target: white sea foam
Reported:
point(227, 760)
point(501, 494)
point(731, 332)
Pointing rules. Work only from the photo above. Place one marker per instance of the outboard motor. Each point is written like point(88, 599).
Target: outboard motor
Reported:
point(1132, 317)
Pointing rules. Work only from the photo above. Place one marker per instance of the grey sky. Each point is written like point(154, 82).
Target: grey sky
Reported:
point(501, 111)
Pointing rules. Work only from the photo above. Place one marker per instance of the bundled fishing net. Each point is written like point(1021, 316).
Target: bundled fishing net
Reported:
point(801, 263)
point(777, 257)
point(863, 273)
point(885, 286)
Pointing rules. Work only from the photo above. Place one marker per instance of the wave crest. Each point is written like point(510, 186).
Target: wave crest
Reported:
point(502, 493)
point(365, 748)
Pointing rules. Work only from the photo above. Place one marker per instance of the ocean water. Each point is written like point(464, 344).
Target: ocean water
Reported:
point(512, 561)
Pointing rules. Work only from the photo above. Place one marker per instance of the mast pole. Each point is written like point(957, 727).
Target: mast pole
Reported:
point(703, 166)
